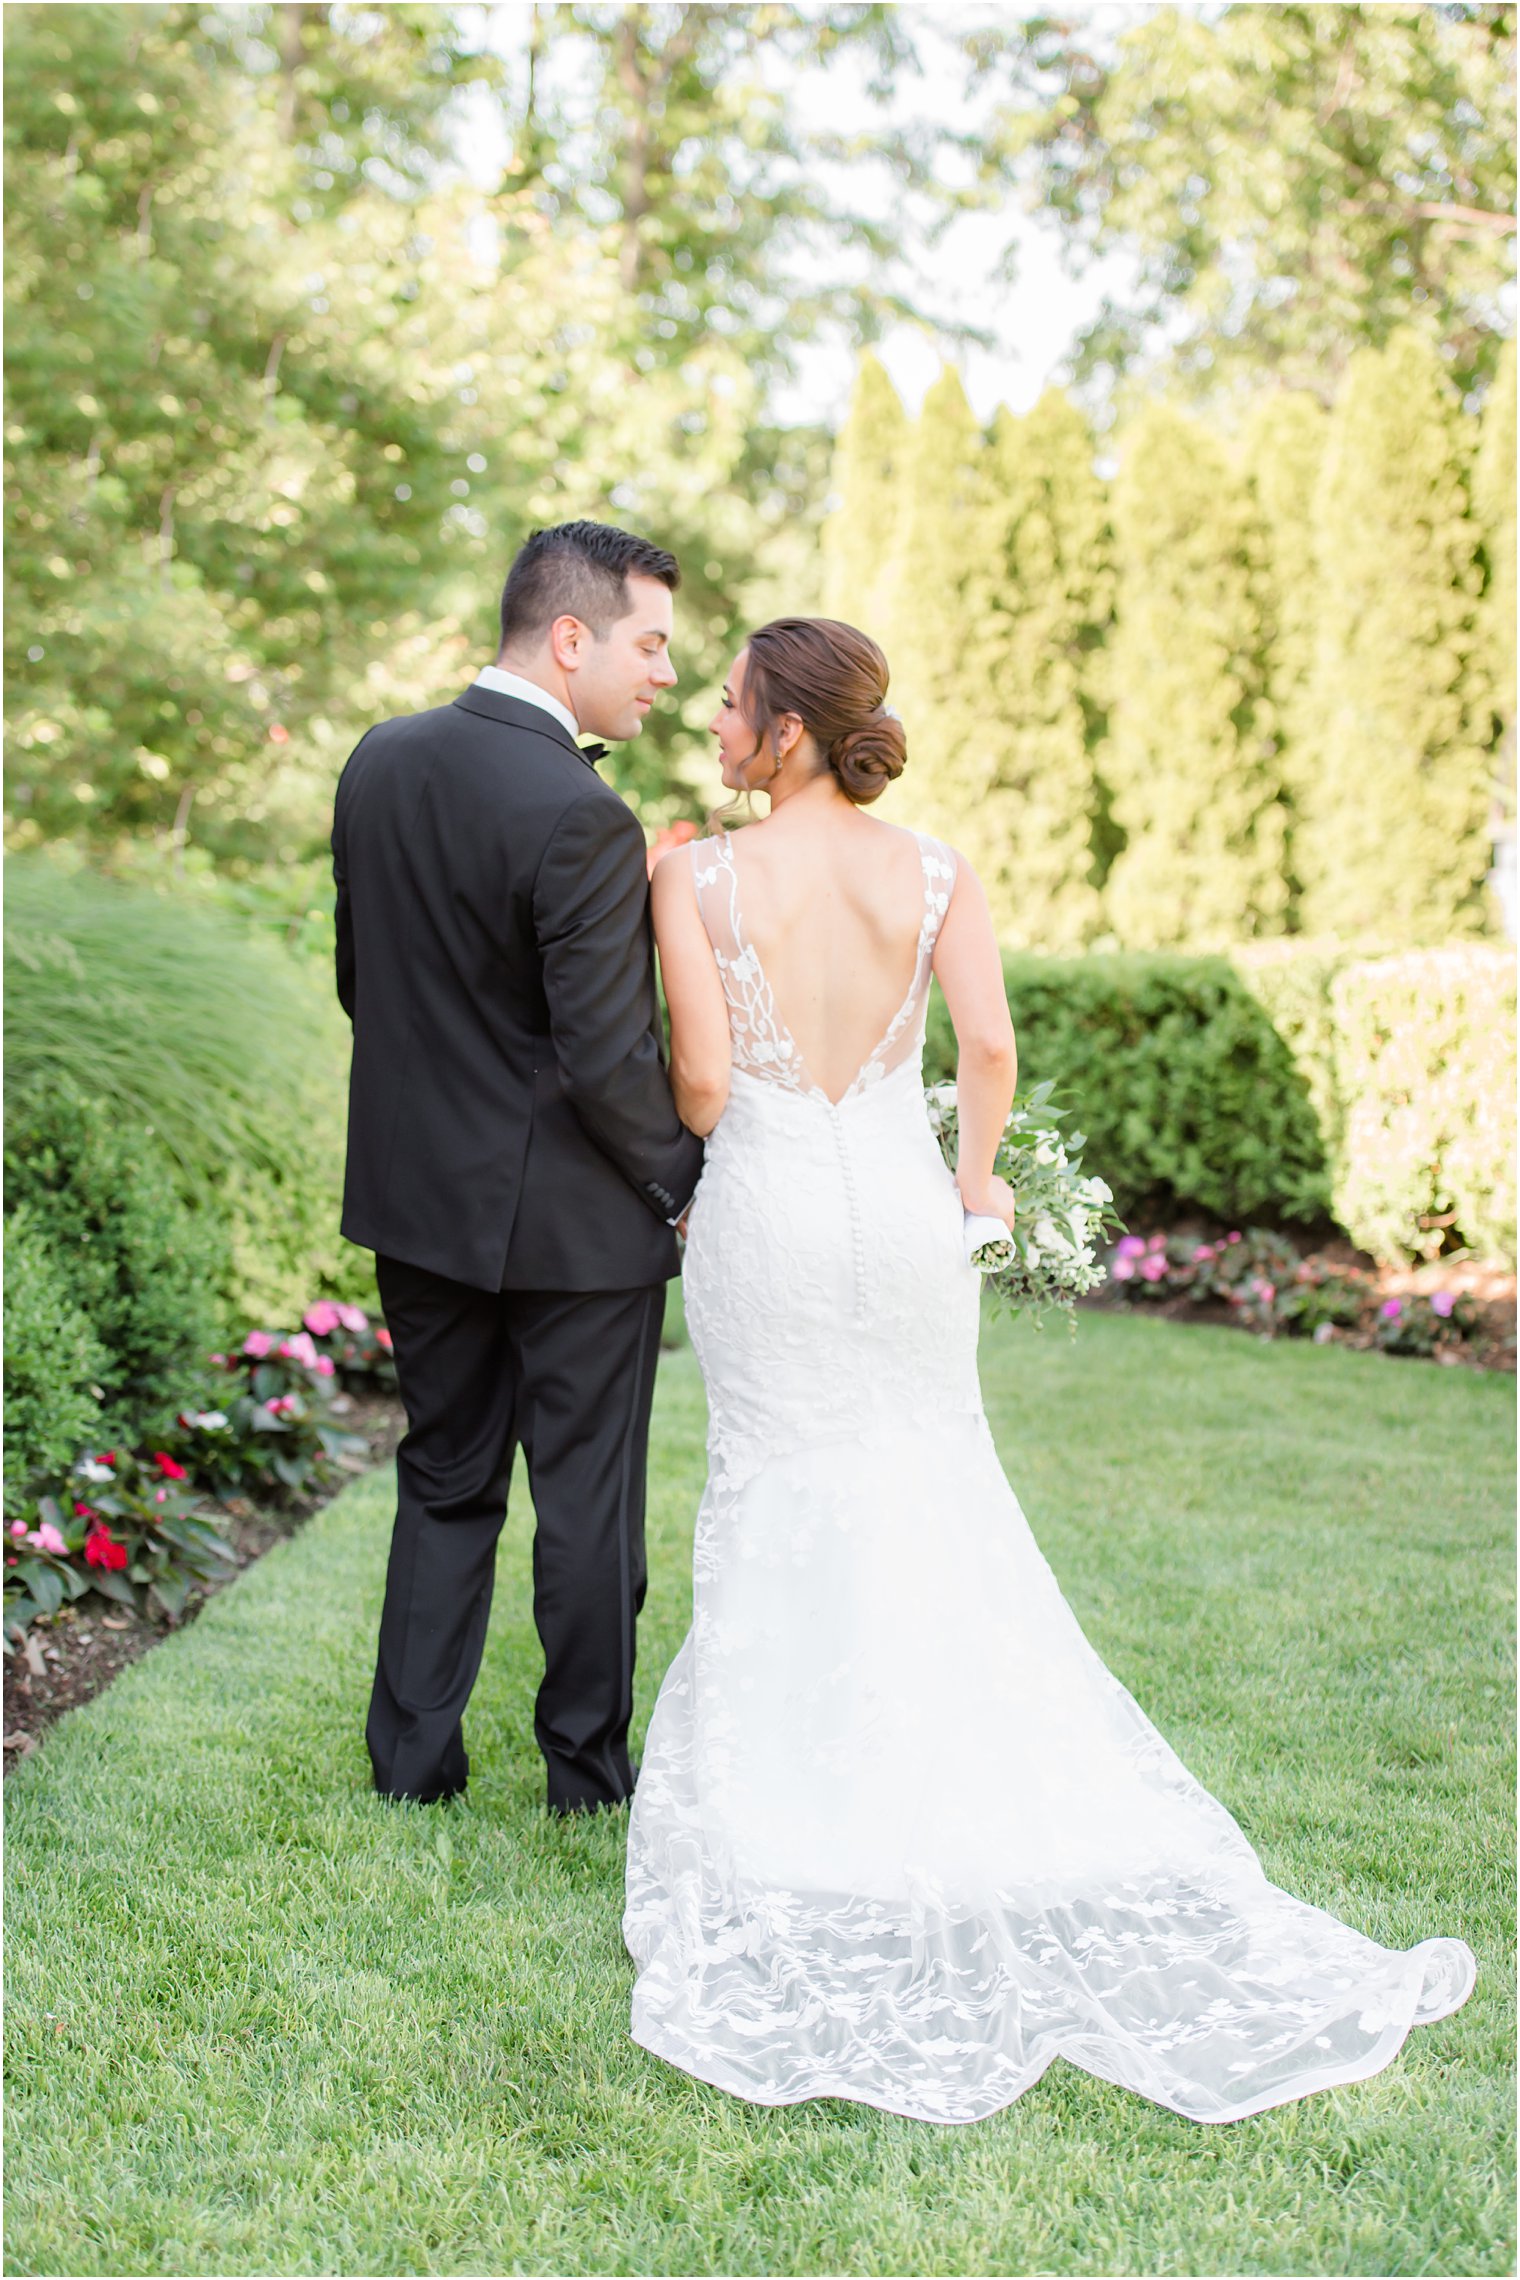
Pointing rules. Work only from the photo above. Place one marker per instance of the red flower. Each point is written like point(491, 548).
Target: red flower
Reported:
point(106, 1457)
point(84, 1511)
point(102, 1550)
point(383, 1340)
point(168, 1467)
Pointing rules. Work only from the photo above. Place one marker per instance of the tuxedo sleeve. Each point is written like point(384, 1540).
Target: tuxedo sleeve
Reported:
point(344, 919)
point(343, 912)
point(591, 917)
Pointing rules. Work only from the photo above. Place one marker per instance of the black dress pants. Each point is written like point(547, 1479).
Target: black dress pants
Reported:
point(570, 1375)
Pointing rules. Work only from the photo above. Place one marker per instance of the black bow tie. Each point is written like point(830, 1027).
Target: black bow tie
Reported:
point(592, 753)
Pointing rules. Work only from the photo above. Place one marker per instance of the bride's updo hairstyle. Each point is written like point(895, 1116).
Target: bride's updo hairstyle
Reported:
point(835, 679)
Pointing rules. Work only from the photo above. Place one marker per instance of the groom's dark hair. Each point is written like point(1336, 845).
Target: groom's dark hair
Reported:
point(578, 569)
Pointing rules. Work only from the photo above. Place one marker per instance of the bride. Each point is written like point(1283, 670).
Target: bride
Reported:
point(899, 1836)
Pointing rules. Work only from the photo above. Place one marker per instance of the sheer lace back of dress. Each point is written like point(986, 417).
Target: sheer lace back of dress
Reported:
point(763, 1045)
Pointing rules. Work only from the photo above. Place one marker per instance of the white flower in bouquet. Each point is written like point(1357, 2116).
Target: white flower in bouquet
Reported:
point(1050, 1239)
point(940, 1103)
point(1047, 1260)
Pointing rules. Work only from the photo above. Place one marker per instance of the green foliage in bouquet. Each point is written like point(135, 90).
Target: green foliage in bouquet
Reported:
point(1060, 1216)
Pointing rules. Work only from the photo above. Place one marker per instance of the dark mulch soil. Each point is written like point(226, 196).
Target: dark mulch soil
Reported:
point(73, 1657)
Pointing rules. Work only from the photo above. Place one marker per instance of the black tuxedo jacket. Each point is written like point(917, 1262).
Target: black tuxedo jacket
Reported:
point(510, 1121)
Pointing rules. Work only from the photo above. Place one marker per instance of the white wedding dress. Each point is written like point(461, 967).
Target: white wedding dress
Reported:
point(899, 1836)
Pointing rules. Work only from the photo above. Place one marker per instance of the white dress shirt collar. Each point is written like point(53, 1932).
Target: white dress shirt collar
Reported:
point(527, 692)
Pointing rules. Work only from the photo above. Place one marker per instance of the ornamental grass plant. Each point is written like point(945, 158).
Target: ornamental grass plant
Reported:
point(222, 1056)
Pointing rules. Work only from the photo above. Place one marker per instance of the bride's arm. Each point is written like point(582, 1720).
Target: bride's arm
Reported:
point(969, 969)
point(700, 1060)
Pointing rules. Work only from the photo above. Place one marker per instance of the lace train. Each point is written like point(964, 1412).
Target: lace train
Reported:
point(901, 1837)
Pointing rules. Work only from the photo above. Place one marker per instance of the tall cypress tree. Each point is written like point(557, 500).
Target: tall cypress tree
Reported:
point(1285, 448)
point(1031, 837)
point(1193, 754)
point(858, 536)
point(1494, 498)
point(942, 574)
point(1397, 846)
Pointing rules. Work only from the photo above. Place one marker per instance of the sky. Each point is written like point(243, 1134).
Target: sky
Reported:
point(1034, 319)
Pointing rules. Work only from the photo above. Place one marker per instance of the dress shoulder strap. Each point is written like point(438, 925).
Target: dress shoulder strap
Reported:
point(939, 866)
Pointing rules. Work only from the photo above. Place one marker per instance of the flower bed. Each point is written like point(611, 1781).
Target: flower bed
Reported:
point(132, 1525)
point(1258, 1278)
point(66, 1659)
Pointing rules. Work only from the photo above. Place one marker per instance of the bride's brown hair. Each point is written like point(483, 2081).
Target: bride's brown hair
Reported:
point(835, 679)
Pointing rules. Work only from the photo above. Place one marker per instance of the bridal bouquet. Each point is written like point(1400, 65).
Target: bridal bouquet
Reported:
point(1062, 1216)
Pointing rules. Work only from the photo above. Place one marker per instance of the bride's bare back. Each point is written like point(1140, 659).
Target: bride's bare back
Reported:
point(835, 918)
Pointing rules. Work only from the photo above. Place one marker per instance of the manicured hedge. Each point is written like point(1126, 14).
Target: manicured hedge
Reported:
point(1288, 1082)
point(1425, 1061)
point(1189, 1097)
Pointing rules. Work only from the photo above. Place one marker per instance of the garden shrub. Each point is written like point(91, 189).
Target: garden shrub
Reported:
point(1172, 1067)
point(138, 1264)
point(1425, 1060)
point(53, 1364)
point(1288, 1081)
point(1290, 980)
point(194, 1026)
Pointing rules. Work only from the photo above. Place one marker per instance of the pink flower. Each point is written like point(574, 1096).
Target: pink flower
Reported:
point(1391, 1309)
point(257, 1343)
point(160, 1495)
point(219, 1361)
point(18, 1527)
point(1129, 1246)
point(1153, 1266)
point(280, 1404)
point(1122, 1269)
point(300, 1349)
point(383, 1340)
point(47, 1539)
point(1204, 1251)
point(324, 1365)
point(353, 1318)
point(1234, 1236)
point(1263, 1289)
point(1156, 1243)
point(1442, 1303)
point(323, 1318)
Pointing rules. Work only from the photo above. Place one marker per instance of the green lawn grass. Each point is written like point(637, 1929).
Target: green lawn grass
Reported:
point(260, 2022)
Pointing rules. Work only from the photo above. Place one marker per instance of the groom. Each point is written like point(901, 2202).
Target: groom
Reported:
point(515, 1160)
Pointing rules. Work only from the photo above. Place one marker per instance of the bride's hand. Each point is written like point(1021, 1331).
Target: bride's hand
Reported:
point(995, 1199)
